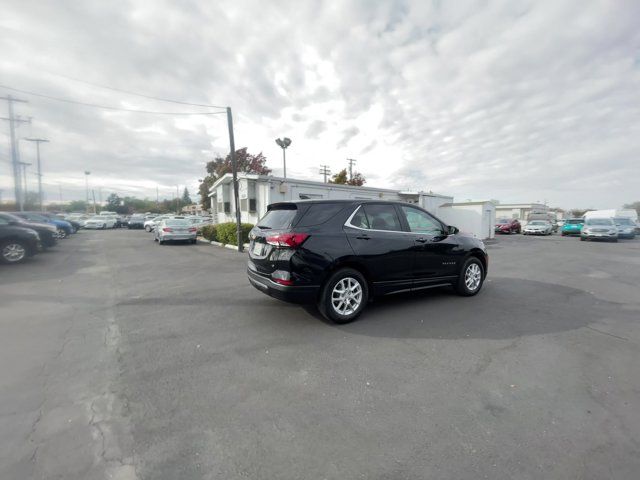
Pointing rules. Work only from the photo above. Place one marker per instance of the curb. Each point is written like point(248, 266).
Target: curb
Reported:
point(218, 244)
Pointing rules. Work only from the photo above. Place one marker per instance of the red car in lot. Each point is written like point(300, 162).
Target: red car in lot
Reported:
point(508, 225)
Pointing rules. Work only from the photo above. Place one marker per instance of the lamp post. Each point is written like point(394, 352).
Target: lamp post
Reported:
point(284, 144)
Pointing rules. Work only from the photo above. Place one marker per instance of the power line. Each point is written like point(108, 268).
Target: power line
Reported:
point(105, 107)
point(128, 92)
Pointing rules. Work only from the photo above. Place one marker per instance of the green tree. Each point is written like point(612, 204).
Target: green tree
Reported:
point(216, 168)
point(342, 178)
point(114, 203)
point(186, 199)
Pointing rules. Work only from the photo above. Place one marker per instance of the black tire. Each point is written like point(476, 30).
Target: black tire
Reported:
point(325, 303)
point(582, 239)
point(160, 242)
point(614, 240)
point(470, 266)
point(62, 233)
point(13, 252)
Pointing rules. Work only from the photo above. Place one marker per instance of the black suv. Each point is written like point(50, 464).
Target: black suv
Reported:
point(17, 243)
point(340, 254)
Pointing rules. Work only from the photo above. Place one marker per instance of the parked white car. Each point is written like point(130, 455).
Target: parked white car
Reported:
point(150, 224)
point(100, 222)
point(172, 229)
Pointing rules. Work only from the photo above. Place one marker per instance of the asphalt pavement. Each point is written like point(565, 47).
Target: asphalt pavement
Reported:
point(123, 359)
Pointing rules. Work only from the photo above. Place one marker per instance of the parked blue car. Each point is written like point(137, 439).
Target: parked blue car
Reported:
point(573, 226)
point(64, 228)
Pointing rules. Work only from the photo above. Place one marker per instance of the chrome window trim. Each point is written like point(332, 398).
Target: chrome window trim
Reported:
point(348, 224)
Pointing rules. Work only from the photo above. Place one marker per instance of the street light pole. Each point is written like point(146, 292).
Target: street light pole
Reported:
point(234, 171)
point(284, 143)
point(38, 141)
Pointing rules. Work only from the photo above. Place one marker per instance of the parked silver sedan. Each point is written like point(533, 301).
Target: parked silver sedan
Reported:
point(174, 229)
point(538, 227)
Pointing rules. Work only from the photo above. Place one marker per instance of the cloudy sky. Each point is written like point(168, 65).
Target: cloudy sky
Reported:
point(518, 101)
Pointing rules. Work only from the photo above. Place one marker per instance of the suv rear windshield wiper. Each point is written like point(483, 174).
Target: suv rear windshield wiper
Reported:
point(264, 227)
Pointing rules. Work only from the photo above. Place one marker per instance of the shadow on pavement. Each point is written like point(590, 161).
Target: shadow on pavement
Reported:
point(505, 308)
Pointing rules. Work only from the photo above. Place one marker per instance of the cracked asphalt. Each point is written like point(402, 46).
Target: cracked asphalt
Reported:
point(122, 359)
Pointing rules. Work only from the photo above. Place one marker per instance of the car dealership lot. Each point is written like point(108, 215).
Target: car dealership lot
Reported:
point(121, 357)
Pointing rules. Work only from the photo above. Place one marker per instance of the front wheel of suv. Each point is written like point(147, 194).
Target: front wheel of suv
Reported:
point(471, 277)
point(344, 296)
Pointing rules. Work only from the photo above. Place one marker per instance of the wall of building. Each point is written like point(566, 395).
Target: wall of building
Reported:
point(477, 219)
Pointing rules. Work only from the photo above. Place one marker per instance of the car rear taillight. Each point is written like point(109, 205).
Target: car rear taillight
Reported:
point(282, 277)
point(193, 229)
point(291, 240)
point(167, 229)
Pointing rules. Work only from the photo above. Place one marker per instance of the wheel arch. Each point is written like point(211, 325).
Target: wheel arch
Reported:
point(348, 263)
point(480, 255)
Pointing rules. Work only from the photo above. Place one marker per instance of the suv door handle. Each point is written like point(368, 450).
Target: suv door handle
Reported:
point(421, 240)
point(364, 236)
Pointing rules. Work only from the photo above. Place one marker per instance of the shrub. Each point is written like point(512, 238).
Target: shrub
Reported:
point(226, 232)
point(209, 232)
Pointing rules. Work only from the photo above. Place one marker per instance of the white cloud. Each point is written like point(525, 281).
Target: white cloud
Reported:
point(512, 100)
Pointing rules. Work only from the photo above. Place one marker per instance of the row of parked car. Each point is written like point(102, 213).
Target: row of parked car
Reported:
point(23, 234)
point(610, 229)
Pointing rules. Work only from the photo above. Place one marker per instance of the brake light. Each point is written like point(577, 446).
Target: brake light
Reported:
point(193, 229)
point(291, 240)
point(167, 229)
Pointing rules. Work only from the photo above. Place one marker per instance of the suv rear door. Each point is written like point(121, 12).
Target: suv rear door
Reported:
point(375, 233)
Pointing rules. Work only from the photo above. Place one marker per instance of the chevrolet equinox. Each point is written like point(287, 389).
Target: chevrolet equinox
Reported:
point(339, 254)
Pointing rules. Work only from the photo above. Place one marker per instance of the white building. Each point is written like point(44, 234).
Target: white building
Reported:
point(475, 218)
point(519, 211)
point(256, 192)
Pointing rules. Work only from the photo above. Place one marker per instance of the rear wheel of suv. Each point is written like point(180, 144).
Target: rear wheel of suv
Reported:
point(13, 251)
point(471, 277)
point(62, 233)
point(344, 296)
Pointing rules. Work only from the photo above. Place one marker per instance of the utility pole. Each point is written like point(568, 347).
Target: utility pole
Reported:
point(86, 186)
point(24, 166)
point(324, 170)
point(234, 170)
point(38, 141)
point(93, 194)
point(157, 198)
point(351, 162)
point(14, 149)
point(177, 200)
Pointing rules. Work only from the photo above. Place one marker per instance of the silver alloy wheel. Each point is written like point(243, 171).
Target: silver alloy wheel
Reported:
point(13, 252)
point(62, 233)
point(472, 277)
point(346, 296)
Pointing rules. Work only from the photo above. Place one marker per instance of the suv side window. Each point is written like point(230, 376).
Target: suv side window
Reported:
point(421, 222)
point(360, 219)
point(382, 217)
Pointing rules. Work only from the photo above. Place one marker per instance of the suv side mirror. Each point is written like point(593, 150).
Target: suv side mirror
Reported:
point(451, 230)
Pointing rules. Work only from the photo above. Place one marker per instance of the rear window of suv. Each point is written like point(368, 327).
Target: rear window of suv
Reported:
point(319, 213)
point(278, 218)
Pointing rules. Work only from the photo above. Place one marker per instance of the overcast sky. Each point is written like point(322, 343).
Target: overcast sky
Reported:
point(517, 101)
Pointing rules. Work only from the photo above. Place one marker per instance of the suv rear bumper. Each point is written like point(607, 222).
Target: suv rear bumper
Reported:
point(286, 293)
